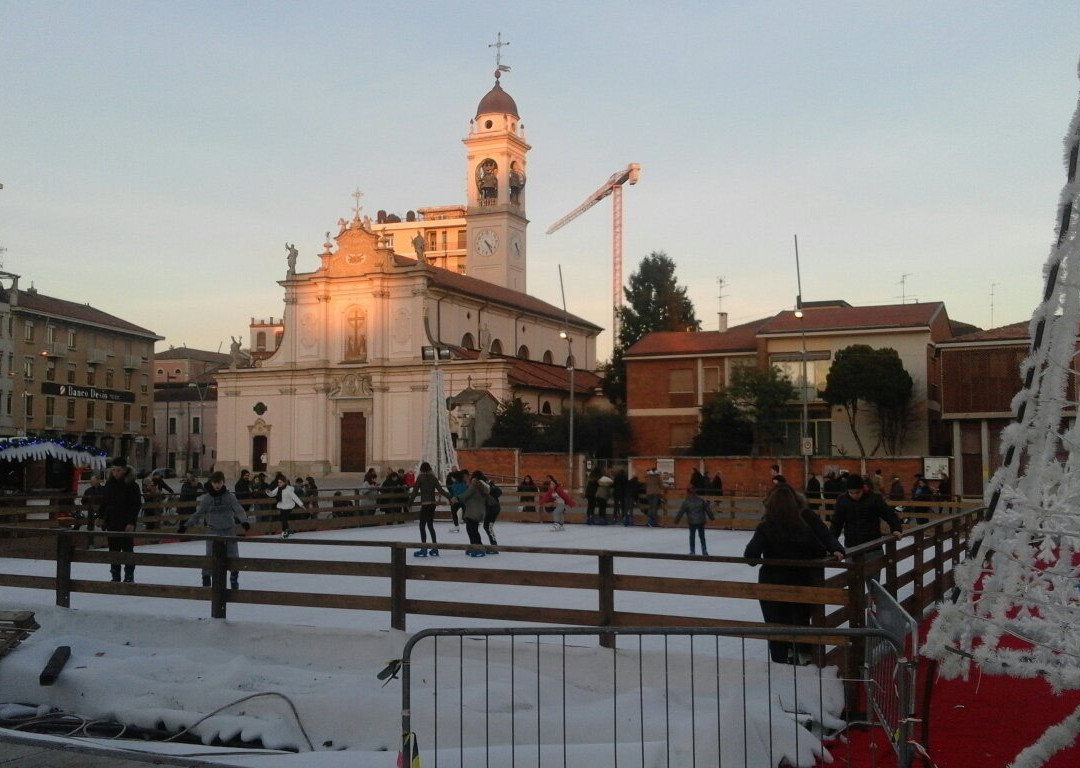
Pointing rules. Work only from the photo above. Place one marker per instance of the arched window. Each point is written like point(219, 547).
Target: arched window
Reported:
point(468, 342)
point(570, 362)
point(176, 372)
point(523, 352)
point(160, 371)
point(260, 341)
point(546, 408)
point(548, 358)
point(496, 347)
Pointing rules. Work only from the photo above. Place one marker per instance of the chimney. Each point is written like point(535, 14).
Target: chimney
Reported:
point(722, 321)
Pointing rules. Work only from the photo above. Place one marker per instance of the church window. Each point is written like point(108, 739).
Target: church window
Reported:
point(548, 357)
point(468, 342)
point(523, 352)
point(496, 347)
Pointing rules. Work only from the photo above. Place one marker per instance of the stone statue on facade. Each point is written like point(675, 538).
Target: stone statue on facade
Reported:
point(290, 249)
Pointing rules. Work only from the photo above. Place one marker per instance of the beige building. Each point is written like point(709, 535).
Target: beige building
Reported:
point(74, 372)
point(340, 382)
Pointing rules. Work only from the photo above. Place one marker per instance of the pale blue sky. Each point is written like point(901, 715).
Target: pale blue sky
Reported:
point(156, 156)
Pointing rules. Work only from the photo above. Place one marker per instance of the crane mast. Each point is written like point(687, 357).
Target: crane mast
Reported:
point(613, 187)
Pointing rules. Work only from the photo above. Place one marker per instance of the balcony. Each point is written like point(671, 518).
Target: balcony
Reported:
point(54, 349)
point(95, 425)
point(132, 362)
point(96, 356)
point(53, 422)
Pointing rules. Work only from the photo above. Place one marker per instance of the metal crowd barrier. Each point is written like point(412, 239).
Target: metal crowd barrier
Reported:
point(664, 696)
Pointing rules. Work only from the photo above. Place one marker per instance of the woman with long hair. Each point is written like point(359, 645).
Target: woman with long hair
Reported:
point(790, 531)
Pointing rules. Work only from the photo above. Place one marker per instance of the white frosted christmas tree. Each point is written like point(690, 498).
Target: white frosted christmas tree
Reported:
point(438, 443)
point(1016, 607)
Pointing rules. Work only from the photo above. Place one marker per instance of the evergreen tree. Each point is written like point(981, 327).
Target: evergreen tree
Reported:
point(654, 302)
point(724, 429)
point(764, 398)
point(514, 426)
point(860, 373)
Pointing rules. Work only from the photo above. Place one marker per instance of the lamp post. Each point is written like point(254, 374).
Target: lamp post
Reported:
point(202, 392)
point(570, 448)
point(805, 403)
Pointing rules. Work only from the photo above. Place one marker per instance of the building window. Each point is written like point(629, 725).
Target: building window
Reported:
point(523, 352)
point(50, 334)
point(71, 373)
point(681, 388)
point(28, 367)
point(172, 425)
point(144, 384)
point(50, 406)
point(682, 435)
point(71, 409)
point(548, 357)
point(108, 413)
point(127, 381)
point(712, 381)
point(50, 370)
point(72, 338)
point(467, 341)
point(89, 410)
point(127, 414)
point(91, 375)
point(109, 377)
point(817, 371)
point(28, 330)
point(546, 408)
point(196, 425)
point(260, 341)
point(7, 404)
point(144, 415)
point(28, 407)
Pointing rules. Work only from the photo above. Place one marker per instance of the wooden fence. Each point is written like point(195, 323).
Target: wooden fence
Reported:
point(932, 549)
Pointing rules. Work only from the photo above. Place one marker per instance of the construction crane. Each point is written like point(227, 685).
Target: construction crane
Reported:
point(613, 187)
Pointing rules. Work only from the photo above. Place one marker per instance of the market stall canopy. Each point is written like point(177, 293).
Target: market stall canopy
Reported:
point(32, 448)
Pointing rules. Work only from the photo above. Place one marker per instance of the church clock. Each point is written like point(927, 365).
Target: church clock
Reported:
point(487, 242)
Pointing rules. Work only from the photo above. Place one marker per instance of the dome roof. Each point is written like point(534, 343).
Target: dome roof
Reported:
point(498, 101)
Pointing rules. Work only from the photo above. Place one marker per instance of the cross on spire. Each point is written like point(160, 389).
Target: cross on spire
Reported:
point(357, 207)
point(498, 46)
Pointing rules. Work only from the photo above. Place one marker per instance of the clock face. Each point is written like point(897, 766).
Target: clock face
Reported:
point(515, 247)
point(487, 242)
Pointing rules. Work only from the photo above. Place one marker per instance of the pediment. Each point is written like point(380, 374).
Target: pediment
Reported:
point(357, 250)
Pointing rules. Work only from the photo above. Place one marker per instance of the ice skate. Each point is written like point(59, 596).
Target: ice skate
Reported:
point(420, 553)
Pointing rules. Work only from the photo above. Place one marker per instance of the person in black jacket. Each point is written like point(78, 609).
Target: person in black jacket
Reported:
point(790, 531)
point(858, 514)
point(119, 511)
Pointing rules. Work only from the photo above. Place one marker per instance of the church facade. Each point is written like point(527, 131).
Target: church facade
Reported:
point(344, 385)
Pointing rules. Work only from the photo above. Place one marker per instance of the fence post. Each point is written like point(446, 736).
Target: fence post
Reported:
point(857, 648)
point(606, 597)
point(397, 587)
point(64, 546)
point(218, 576)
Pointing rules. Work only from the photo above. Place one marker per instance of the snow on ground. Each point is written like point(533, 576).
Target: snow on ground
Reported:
point(156, 663)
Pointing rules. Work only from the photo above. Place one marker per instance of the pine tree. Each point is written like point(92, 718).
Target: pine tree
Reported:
point(654, 302)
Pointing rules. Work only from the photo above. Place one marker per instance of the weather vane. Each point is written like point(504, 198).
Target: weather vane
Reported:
point(356, 195)
point(498, 46)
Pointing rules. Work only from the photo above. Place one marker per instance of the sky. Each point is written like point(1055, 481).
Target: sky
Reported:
point(156, 157)
point(144, 661)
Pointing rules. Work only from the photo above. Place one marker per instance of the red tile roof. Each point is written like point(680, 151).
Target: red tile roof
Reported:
point(32, 301)
point(817, 319)
point(536, 375)
point(739, 338)
point(485, 291)
point(189, 353)
point(1015, 332)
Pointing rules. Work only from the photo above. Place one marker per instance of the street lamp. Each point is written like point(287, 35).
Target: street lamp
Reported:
point(806, 441)
point(570, 448)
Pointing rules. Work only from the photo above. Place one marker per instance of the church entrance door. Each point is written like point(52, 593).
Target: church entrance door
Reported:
point(353, 442)
point(258, 453)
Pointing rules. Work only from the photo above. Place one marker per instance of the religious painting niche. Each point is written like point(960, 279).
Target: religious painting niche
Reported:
point(355, 335)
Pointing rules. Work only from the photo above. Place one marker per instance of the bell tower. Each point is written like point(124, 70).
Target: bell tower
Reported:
point(495, 183)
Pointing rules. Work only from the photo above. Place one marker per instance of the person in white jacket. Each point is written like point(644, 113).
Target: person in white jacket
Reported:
point(287, 500)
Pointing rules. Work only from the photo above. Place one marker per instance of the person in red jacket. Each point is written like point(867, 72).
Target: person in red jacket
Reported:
point(560, 499)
